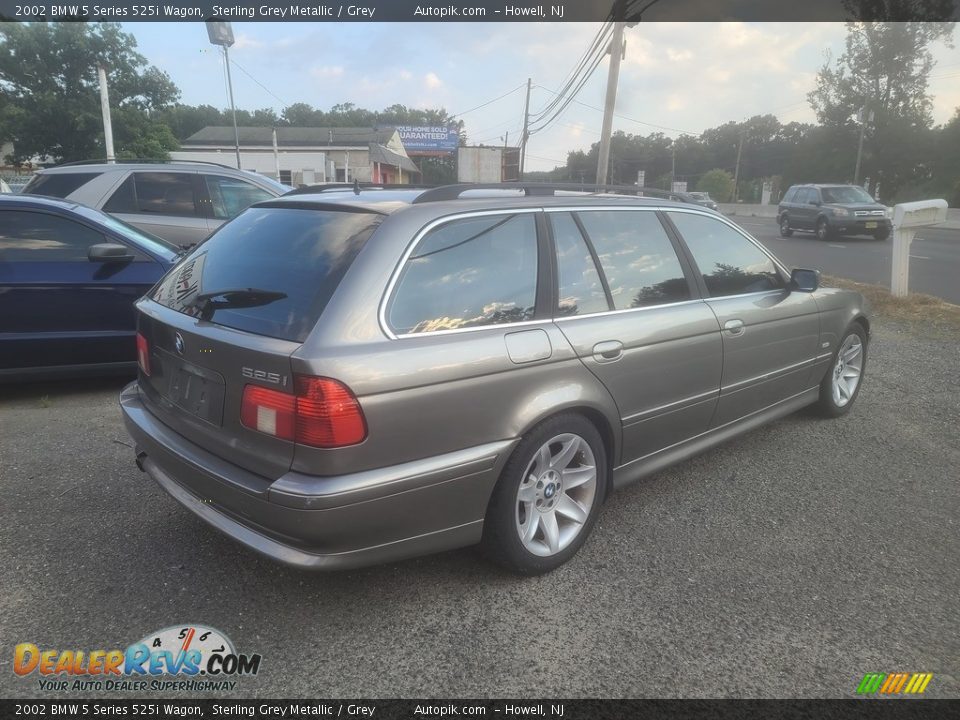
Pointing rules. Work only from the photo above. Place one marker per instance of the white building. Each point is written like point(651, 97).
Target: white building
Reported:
point(304, 156)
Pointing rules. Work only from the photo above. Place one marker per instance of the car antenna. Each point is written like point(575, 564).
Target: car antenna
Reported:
point(356, 187)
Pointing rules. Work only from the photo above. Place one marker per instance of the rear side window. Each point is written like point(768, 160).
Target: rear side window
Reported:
point(231, 196)
point(41, 237)
point(294, 260)
point(730, 263)
point(155, 193)
point(637, 257)
point(58, 184)
point(469, 273)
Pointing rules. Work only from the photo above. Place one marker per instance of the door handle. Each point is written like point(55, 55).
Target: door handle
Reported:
point(607, 351)
point(734, 327)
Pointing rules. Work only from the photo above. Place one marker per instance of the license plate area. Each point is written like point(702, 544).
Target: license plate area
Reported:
point(191, 388)
point(870, 225)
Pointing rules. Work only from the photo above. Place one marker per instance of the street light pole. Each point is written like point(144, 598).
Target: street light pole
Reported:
point(233, 109)
point(221, 33)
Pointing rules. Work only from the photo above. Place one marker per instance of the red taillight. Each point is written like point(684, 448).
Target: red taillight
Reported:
point(143, 354)
point(323, 413)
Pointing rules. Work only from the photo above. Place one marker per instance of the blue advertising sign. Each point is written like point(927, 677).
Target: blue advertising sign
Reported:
point(425, 138)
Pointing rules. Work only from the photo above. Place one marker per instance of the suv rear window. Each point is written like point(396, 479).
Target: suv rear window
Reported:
point(301, 254)
point(58, 184)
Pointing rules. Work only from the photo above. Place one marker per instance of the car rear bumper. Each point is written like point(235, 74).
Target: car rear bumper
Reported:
point(323, 523)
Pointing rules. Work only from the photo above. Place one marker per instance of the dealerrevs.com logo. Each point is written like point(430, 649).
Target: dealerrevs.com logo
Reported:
point(180, 657)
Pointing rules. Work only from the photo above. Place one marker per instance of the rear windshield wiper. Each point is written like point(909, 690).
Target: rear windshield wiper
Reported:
point(208, 303)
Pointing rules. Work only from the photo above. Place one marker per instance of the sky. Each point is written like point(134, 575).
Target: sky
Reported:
point(676, 78)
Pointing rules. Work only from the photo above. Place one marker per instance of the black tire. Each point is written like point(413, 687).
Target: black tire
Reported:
point(826, 405)
point(785, 229)
point(501, 537)
point(881, 234)
point(823, 229)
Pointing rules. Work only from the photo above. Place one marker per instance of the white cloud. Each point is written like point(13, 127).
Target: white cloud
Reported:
point(243, 41)
point(432, 81)
point(326, 71)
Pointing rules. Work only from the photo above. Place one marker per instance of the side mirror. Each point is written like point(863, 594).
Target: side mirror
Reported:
point(804, 280)
point(109, 253)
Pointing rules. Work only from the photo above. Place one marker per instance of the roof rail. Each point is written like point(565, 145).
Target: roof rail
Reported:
point(453, 192)
point(354, 186)
point(143, 161)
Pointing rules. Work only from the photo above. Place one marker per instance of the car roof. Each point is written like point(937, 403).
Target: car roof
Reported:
point(480, 198)
point(40, 201)
point(121, 166)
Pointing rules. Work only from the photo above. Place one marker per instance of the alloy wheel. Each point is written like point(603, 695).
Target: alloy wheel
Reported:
point(847, 371)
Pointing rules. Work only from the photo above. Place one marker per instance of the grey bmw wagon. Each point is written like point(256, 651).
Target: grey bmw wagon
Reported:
point(355, 376)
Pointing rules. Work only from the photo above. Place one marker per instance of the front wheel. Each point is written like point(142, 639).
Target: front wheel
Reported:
point(881, 234)
point(841, 385)
point(548, 496)
point(785, 229)
point(823, 229)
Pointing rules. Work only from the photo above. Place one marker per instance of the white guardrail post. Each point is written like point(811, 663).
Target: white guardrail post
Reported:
point(907, 219)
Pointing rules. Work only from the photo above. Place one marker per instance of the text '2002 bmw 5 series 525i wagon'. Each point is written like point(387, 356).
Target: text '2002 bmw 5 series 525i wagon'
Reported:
point(348, 377)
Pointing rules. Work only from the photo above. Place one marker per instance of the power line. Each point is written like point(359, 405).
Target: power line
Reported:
point(489, 102)
point(265, 88)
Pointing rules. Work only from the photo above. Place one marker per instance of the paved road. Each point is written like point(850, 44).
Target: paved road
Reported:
point(934, 262)
point(786, 564)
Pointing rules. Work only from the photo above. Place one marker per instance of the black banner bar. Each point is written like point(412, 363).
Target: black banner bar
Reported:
point(873, 709)
point(478, 10)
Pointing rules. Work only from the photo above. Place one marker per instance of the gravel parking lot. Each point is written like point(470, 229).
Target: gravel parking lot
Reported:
point(785, 564)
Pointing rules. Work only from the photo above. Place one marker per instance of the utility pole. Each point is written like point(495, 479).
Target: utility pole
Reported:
point(862, 117)
point(105, 110)
point(736, 171)
point(524, 134)
point(613, 77)
point(673, 165)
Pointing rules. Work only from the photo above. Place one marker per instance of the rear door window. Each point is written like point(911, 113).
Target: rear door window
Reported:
point(292, 258)
point(156, 193)
point(637, 257)
point(58, 184)
point(469, 273)
point(580, 285)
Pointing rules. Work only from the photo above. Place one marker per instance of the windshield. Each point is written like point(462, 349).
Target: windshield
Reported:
point(143, 239)
point(850, 194)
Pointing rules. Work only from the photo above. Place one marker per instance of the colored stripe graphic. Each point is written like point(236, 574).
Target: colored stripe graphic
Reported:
point(894, 683)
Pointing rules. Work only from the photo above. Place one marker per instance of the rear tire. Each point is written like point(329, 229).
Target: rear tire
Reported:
point(548, 496)
point(785, 230)
point(841, 385)
point(823, 229)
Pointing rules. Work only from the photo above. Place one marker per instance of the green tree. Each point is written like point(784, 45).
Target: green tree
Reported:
point(49, 93)
point(717, 182)
point(885, 69)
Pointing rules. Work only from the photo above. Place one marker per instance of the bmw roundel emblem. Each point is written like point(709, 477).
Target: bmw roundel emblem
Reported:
point(178, 343)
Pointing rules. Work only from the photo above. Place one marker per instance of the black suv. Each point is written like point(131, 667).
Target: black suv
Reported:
point(829, 210)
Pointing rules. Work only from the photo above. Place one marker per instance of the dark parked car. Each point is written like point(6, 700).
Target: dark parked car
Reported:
point(703, 198)
point(830, 210)
point(69, 276)
point(359, 376)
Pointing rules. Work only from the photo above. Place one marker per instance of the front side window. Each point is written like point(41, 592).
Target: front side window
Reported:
point(469, 273)
point(637, 257)
point(41, 237)
point(730, 263)
point(230, 196)
point(581, 290)
point(155, 193)
point(791, 195)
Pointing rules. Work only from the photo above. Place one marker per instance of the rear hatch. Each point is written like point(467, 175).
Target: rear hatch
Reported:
point(229, 316)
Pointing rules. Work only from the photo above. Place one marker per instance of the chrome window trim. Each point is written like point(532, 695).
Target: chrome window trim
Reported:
point(387, 297)
point(566, 318)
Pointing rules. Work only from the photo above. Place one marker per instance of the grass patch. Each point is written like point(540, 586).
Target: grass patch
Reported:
point(915, 308)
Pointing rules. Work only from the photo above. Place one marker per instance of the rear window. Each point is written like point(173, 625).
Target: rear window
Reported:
point(292, 258)
point(58, 184)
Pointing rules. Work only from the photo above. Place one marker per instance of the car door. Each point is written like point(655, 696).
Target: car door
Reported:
point(800, 210)
point(167, 204)
point(57, 307)
point(224, 197)
point(770, 334)
point(629, 306)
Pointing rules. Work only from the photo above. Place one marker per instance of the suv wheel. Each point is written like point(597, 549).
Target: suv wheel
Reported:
point(841, 384)
point(548, 497)
point(881, 234)
point(785, 230)
point(823, 229)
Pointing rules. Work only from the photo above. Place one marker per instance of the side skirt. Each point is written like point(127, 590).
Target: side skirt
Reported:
point(654, 462)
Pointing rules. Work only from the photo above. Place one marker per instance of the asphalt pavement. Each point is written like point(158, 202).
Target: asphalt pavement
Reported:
point(934, 256)
point(786, 563)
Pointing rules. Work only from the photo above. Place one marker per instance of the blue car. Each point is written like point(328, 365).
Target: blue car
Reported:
point(69, 276)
